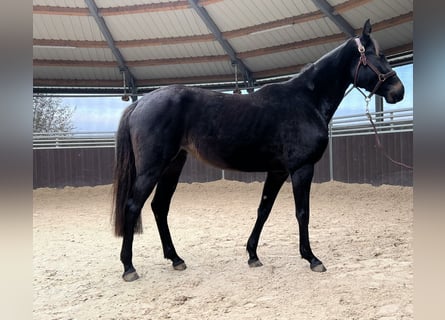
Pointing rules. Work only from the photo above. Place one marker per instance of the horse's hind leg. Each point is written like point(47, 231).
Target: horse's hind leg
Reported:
point(161, 204)
point(301, 184)
point(142, 189)
point(272, 186)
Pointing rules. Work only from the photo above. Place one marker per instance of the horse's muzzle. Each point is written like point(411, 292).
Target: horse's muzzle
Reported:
point(396, 93)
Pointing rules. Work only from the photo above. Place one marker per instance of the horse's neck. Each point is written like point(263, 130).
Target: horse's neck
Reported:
point(332, 78)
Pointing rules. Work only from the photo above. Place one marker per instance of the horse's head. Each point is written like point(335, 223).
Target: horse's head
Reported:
point(372, 71)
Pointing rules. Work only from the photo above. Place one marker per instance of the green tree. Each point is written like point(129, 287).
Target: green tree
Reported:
point(50, 115)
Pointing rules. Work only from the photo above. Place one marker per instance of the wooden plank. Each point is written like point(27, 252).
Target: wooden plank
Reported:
point(321, 173)
point(339, 160)
point(356, 160)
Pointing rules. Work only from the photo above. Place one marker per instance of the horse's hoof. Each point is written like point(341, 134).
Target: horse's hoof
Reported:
point(318, 267)
point(130, 276)
point(180, 266)
point(253, 263)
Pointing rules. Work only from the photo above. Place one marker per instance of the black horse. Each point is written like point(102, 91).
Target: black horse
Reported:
point(281, 129)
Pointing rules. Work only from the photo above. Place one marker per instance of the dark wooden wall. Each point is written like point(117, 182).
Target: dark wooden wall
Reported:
point(72, 167)
point(355, 160)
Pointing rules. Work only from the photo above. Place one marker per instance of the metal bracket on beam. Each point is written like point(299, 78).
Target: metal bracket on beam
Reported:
point(205, 17)
point(94, 11)
point(329, 11)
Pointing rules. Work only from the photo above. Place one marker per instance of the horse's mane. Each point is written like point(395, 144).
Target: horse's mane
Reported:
point(305, 77)
point(308, 75)
point(308, 68)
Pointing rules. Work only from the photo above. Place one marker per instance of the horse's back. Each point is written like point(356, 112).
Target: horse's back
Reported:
point(242, 132)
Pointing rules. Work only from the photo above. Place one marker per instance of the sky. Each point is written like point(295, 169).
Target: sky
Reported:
point(102, 114)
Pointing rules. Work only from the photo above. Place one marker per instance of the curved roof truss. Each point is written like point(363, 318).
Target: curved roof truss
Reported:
point(93, 46)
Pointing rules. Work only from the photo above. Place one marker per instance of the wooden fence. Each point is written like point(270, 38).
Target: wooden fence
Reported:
point(355, 160)
point(351, 157)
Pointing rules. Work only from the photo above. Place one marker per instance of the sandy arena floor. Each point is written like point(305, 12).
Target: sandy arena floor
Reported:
point(363, 235)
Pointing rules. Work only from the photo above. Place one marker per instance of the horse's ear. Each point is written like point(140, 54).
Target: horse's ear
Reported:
point(366, 33)
point(367, 28)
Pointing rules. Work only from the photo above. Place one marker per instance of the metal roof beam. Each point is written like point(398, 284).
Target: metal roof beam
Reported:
point(129, 79)
point(329, 11)
point(205, 17)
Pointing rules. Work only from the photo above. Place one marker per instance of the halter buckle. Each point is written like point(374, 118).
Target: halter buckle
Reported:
point(360, 46)
point(364, 61)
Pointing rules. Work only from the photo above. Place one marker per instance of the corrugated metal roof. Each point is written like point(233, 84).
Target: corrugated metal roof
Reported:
point(176, 51)
point(168, 24)
point(57, 27)
point(167, 41)
point(287, 58)
point(73, 54)
point(233, 14)
point(75, 73)
point(61, 3)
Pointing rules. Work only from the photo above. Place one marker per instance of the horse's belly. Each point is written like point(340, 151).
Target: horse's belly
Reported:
point(240, 159)
point(205, 157)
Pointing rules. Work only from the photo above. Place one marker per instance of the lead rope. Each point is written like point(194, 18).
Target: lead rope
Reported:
point(382, 78)
point(378, 142)
point(377, 139)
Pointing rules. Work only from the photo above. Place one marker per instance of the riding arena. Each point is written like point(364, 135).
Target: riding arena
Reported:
point(219, 198)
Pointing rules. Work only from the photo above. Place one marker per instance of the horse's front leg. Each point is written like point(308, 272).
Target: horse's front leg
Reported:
point(272, 186)
point(301, 185)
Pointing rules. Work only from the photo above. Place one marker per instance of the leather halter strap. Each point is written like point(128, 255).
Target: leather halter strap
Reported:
point(363, 61)
point(382, 78)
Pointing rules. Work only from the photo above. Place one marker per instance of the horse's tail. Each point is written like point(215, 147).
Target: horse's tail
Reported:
point(124, 174)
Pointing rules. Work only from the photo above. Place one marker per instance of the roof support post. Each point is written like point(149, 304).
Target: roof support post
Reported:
point(205, 17)
point(130, 81)
point(329, 11)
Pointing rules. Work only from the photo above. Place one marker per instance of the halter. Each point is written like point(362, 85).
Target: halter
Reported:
point(363, 61)
point(382, 78)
